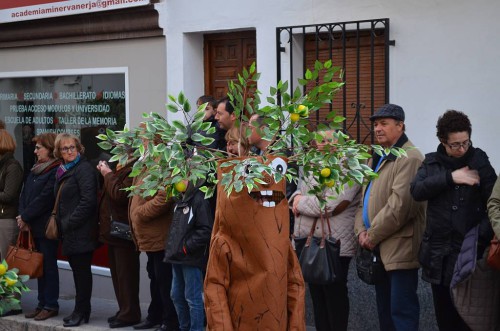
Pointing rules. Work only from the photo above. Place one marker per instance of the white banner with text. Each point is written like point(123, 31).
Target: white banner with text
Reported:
point(23, 10)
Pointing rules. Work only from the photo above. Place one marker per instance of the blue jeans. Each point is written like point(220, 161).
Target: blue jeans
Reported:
point(187, 295)
point(397, 301)
point(48, 285)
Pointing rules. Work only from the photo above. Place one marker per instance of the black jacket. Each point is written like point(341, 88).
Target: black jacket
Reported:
point(77, 209)
point(11, 182)
point(452, 210)
point(219, 136)
point(37, 200)
point(190, 232)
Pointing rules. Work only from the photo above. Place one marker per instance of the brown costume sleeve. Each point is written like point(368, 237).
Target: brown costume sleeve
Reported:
point(296, 294)
point(217, 282)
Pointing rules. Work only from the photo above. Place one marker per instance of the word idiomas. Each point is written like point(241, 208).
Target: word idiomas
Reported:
point(91, 95)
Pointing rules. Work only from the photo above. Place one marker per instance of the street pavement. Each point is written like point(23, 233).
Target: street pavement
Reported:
point(363, 315)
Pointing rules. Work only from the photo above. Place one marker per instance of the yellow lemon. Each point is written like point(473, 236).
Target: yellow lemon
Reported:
point(294, 117)
point(326, 172)
point(3, 269)
point(180, 186)
point(330, 182)
point(303, 110)
point(10, 282)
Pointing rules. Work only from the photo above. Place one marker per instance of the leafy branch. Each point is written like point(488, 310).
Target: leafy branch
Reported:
point(11, 285)
point(172, 152)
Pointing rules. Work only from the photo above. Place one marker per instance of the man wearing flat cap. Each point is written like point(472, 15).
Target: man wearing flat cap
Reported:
point(390, 221)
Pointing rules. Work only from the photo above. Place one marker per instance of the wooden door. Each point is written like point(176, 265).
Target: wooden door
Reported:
point(226, 54)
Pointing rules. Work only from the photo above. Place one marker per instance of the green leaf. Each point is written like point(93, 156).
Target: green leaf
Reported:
point(181, 136)
point(238, 185)
point(102, 137)
point(187, 106)
point(207, 141)
point(105, 145)
point(308, 74)
point(318, 65)
point(395, 152)
point(181, 98)
point(172, 108)
point(197, 137)
point(111, 134)
point(179, 125)
point(328, 77)
point(198, 116)
point(272, 91)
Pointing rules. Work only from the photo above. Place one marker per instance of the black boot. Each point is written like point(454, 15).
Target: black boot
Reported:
point(68, 318)
point(77, 319)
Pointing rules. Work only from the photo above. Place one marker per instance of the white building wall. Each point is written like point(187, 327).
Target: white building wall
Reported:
point(446, 53)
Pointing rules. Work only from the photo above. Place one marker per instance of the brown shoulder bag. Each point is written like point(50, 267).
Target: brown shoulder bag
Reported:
point(26, 259)
point(51, 229)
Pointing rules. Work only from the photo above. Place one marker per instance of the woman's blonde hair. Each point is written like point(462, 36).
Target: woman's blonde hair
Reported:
point(67, 136)
point(7, 143)
point(233, 134)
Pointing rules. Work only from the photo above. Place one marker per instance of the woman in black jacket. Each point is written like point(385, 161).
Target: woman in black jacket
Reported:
point(77, 219)
point(456, 181)
point(35, 206)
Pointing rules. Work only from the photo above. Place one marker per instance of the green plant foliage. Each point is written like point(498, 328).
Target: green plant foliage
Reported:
point(11, 284)
point(168, 152)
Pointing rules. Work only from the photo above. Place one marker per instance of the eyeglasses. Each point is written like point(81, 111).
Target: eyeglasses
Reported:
point(457, 146)
point(67, 149)
point(38, 147)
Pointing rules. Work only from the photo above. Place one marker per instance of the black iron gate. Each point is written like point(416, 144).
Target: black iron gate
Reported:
point(361, 48)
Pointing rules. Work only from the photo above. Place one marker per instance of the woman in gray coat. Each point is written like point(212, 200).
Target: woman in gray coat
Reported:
point(331, 301)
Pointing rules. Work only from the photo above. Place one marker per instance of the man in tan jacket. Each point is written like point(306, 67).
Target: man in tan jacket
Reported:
point(396, 222)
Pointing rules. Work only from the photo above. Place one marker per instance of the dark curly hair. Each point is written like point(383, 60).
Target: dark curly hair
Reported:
point(450, 122)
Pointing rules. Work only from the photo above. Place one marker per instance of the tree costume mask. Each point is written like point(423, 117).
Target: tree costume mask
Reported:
point(253, 279)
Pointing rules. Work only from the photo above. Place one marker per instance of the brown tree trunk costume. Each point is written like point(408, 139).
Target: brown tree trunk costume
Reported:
point(253, 279)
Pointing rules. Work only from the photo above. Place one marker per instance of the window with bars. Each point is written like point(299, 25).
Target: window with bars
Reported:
point(360, 48)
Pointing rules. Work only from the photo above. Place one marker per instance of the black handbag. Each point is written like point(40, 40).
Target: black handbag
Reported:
point(369, 266)
point(120, 230)
point(319, 257)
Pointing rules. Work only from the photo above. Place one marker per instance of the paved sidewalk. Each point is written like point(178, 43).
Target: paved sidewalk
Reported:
point(101, 310)
point(363, 314)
